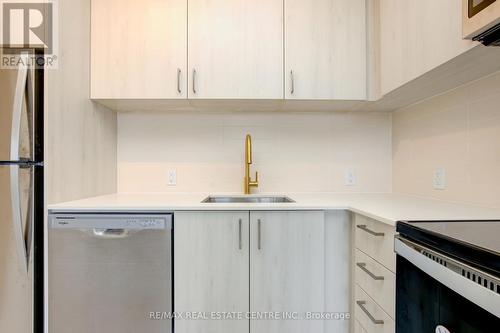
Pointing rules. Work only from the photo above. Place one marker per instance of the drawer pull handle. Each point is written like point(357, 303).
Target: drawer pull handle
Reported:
point(361, 304)
point(371, 232)
point(362, 265)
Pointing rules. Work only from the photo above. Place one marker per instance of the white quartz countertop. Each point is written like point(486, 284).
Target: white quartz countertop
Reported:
point(386, 208)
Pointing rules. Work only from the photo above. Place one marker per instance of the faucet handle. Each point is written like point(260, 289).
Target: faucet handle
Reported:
point(254, 183)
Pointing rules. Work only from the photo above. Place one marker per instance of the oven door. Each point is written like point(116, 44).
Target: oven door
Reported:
point(479, 16)
point(433, 296)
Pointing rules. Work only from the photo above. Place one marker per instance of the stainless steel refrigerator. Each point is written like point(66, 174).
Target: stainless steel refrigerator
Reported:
point(21, 199)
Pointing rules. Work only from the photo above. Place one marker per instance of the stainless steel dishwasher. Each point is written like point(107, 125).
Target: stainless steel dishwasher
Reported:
point(110, 273)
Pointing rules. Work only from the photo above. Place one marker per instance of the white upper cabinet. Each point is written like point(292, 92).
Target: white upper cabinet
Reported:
point(139, 49)
point(270, 49)
point(229, 49)
point(235, 49)
point(325, 49)
point(416, 37)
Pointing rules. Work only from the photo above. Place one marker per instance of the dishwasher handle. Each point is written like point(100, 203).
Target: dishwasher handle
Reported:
point(110, 233)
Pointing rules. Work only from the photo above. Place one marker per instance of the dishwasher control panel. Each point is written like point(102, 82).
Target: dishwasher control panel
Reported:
point(110, 221)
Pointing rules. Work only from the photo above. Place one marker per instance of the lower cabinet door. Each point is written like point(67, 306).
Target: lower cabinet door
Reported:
point(287, 272)
point(211, 267)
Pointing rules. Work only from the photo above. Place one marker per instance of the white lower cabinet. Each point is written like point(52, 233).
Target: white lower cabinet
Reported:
point(276, 269)
point(287, 269)
point(211, 270)
point(257, 263)
point(374, 268)
point(377, 281)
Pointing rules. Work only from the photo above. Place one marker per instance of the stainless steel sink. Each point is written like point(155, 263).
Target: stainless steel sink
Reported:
point(247, 199)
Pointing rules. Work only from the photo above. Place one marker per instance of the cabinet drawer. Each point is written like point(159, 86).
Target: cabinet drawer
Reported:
point(376, 239)
point(370, 315)
point(377, 281)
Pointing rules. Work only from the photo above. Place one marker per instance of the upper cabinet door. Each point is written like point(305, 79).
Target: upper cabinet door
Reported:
point(325, 49)
point(235, 49)
point(139, 49)
point(416, 37)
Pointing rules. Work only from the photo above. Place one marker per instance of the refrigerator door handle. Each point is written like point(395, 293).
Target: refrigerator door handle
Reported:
point(31, 110)
point(22, 78)
point(21, 246)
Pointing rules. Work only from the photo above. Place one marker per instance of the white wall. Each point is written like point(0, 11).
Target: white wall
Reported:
point(299, 152)
point(80, 134)
point(458, 131)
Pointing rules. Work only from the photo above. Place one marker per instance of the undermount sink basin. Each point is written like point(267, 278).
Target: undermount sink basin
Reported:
point(247, 199)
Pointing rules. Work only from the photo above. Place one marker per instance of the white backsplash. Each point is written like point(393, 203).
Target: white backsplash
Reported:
point(293, 152)
point(458, 132)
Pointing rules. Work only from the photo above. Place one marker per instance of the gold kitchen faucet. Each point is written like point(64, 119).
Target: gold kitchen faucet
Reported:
point(247, 181)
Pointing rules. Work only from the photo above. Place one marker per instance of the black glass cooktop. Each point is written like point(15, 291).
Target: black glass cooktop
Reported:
point(476, 243)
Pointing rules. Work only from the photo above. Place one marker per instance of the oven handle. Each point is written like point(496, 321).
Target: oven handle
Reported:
point(472, 291)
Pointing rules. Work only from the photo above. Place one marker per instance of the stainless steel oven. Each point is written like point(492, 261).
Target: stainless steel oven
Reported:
point(448, 277)
point(110, 273)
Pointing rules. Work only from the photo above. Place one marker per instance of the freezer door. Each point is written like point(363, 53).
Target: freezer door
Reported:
point(16, 114)
point(16, 211)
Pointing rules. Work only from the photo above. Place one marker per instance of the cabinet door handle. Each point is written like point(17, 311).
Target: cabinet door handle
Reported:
point(292, 86)
point(240, 243)
point(371, 232)
point(362, 265)
point(361, 304)
point(259, 237)
point(179, 80)
point(194, 81)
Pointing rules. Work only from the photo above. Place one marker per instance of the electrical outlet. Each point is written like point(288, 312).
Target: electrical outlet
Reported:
point(439, 179)
point(350, 178)
point(172, 178)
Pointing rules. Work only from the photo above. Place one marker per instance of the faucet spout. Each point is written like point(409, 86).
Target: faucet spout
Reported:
point(248, 149)
point(247, 181)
